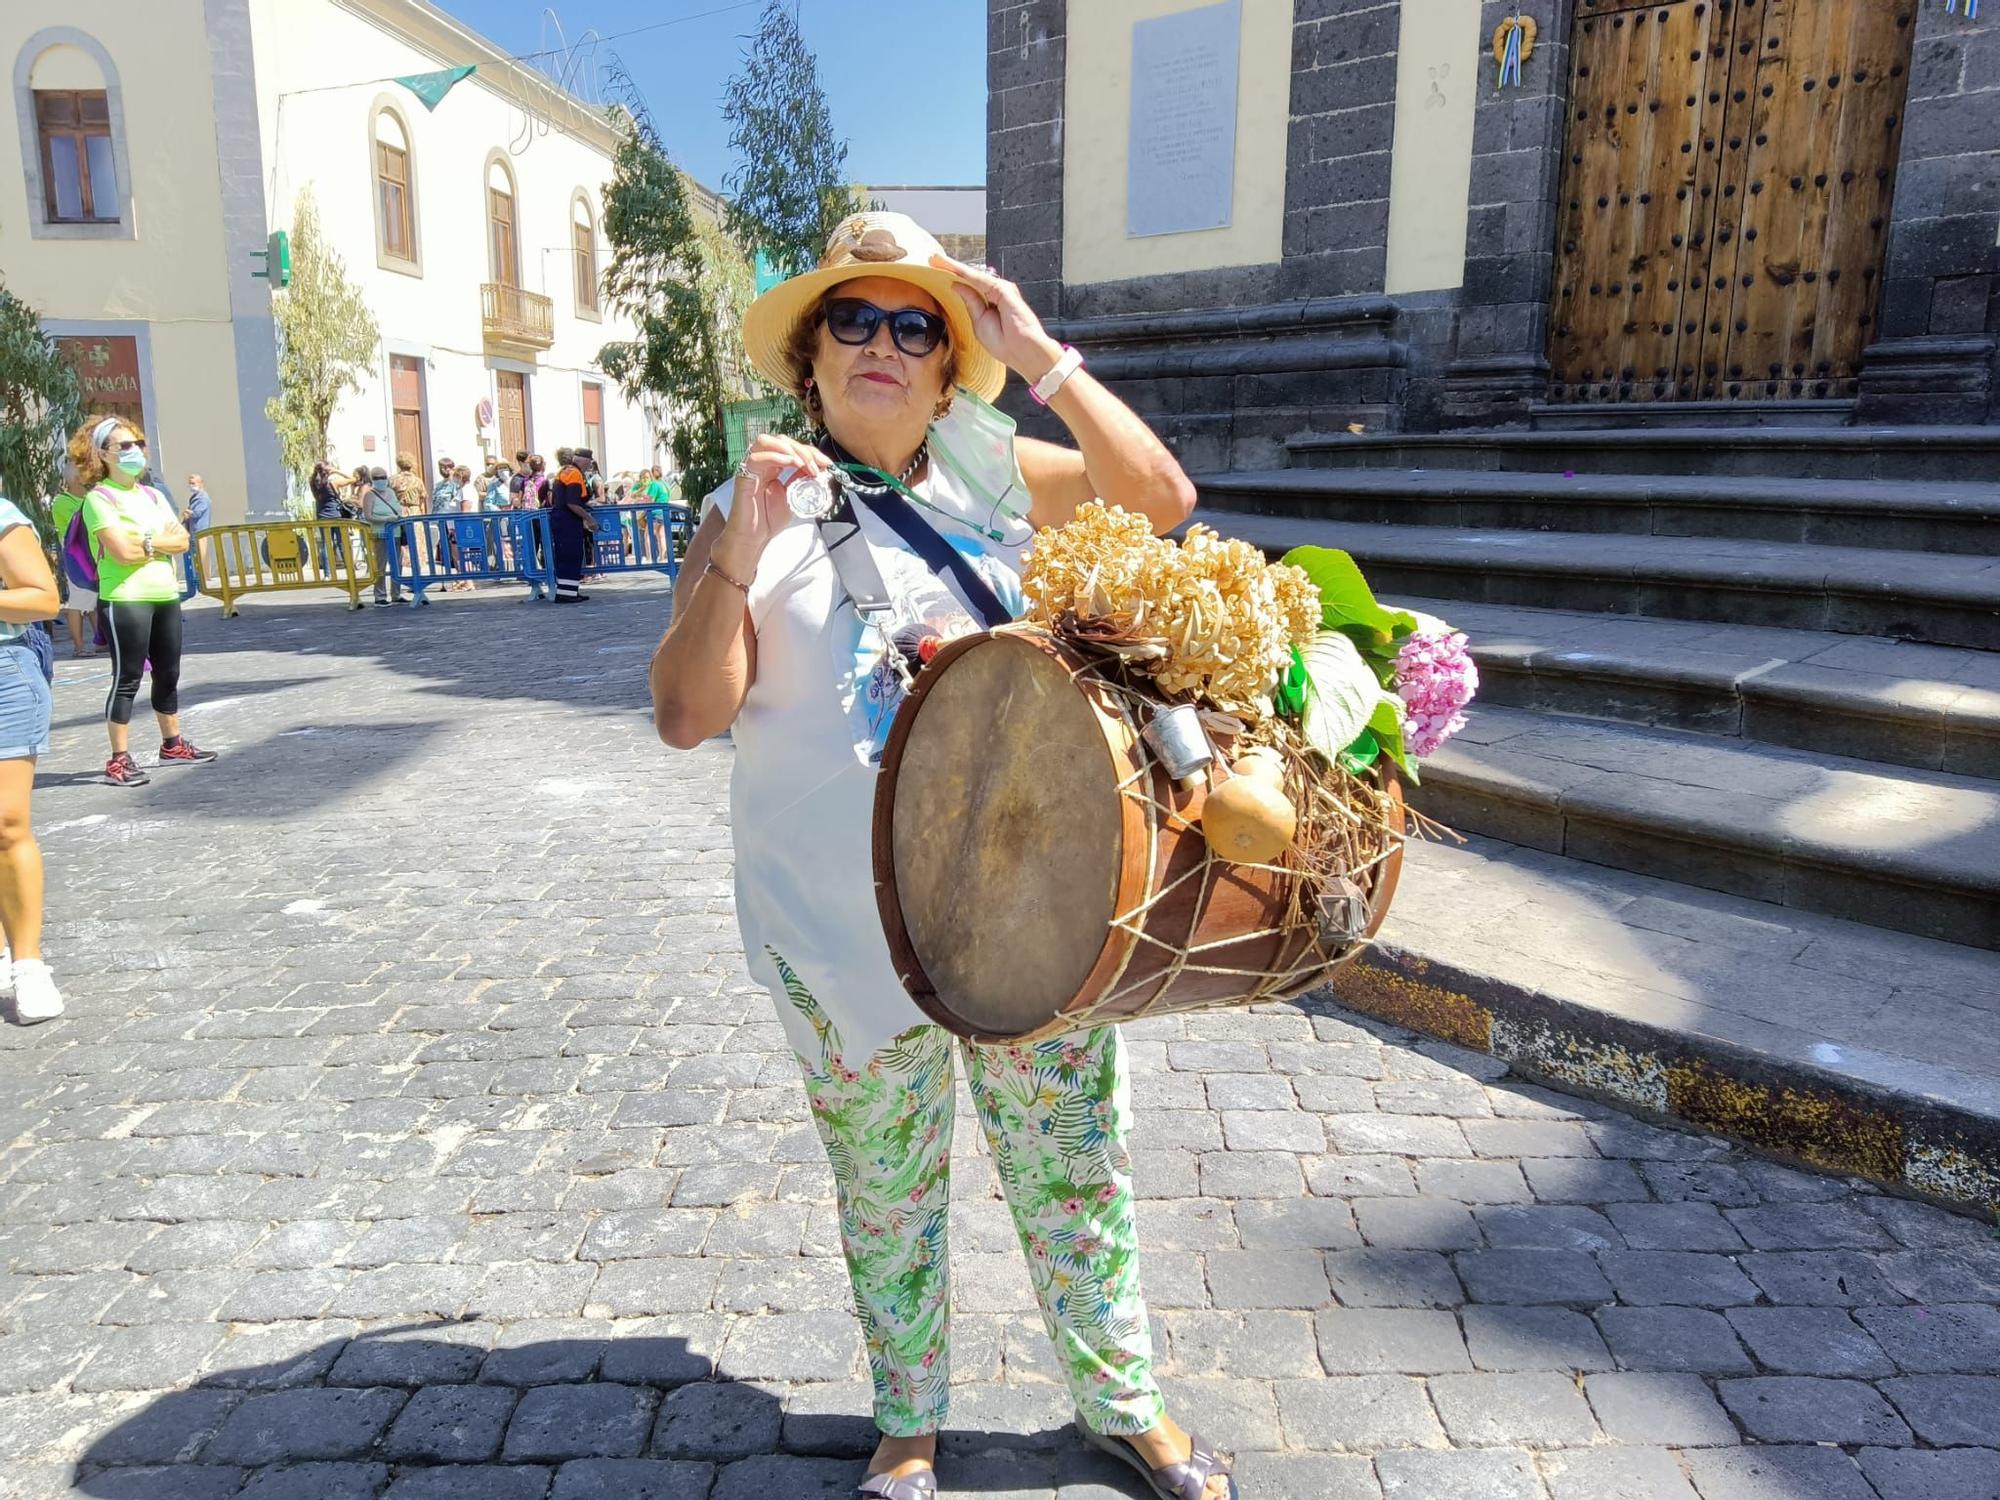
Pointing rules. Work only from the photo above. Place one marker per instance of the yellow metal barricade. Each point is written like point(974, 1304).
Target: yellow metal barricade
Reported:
point(281, 556)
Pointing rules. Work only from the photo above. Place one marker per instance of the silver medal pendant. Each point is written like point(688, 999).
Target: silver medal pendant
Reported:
point(811, 497)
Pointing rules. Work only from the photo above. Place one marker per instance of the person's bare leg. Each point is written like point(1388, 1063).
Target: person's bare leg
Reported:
point(899, 1458)
point(121, 736)
point(170, 726)
point(73, 618)
point(20, 861)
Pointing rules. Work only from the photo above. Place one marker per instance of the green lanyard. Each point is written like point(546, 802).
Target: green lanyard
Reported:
point(863, 471)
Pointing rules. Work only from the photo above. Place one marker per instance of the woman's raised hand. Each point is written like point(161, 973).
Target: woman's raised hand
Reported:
point(1010, 329)
point(758, 511)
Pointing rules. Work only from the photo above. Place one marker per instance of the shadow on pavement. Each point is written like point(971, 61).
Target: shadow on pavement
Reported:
point(440, 1410)
point(483, 645)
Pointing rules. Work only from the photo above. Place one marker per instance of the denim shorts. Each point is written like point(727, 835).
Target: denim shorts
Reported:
point(25, 705)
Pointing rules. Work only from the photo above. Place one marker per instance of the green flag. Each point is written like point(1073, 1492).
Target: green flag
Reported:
point(432, 87)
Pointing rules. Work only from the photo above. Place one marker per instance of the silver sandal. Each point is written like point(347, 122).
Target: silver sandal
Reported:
point(1182, 1481)
point(919, 1486)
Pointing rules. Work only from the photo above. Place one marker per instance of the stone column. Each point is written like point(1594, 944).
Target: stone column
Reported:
point(1025, 60)
point(1940, 315)
point(1338, 147)
point(1500, 364)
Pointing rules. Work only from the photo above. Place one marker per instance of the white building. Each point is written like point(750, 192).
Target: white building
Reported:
point(159, 144)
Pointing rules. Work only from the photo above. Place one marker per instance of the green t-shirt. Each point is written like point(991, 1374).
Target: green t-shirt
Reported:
point(136, 510)
point(63, 510)
point(657, 492)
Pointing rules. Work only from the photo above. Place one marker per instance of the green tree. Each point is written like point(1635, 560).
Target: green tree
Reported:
point(789, 190)
point(326, 337)
point(671, 273)
point(41, 404)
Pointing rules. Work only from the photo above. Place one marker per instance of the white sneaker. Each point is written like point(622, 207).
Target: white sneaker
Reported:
point(36, 997)
point(6, 972)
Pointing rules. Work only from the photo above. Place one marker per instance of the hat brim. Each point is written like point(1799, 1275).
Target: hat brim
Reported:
point(768, 323)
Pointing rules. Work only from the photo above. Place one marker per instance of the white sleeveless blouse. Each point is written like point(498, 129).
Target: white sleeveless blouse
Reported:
point(802, 794)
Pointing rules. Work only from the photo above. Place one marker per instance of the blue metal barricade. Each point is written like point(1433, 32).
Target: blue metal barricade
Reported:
point(640, 538)
point(499, 546)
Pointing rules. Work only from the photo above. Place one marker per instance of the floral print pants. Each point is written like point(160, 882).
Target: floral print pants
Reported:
point(1056, 1114)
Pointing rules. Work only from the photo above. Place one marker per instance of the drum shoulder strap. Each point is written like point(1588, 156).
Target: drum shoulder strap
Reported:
point(863, 580)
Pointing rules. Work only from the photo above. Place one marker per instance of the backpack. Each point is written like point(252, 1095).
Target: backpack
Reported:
point(79, 562)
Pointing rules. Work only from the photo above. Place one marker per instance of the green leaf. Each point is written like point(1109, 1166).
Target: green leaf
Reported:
point(1386, 724)
point(1345, 598)
point(1342, 693)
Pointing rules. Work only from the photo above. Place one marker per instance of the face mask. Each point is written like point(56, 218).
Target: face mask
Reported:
point(132, 462)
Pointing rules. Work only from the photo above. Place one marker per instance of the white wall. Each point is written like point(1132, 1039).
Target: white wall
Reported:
point(325, 138)
point(1441, 65)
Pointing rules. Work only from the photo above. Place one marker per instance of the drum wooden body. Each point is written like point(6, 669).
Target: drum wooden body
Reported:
point(1037, 870)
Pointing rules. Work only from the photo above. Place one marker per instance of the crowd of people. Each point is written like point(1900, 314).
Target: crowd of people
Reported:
point(570, 495)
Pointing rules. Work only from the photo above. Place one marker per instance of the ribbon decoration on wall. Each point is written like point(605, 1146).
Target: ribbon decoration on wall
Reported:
point(1514, 43)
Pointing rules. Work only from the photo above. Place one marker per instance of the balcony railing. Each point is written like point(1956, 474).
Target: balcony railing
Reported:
point(522, 319)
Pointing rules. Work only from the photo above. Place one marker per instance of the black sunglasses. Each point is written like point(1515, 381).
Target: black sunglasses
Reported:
point(130, 443)
point(914, 331)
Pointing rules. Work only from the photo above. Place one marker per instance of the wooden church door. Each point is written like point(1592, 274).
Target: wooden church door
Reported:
point(1727, 176)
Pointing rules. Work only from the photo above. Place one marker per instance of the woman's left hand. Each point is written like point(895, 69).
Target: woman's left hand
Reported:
point(1006, 325)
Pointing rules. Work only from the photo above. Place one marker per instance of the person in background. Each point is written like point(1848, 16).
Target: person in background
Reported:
point(409, 489)
point(325, 485)
point(499, 488)
point(468, 493)
point(381, 510)
point(518, 479)
point(659, 497)
point(445, 496)
point(80, 609)
point(570, 526)
point(195, 514)
point(538, 481)
point(27, 594)
point(138, 538)
point(446, 468)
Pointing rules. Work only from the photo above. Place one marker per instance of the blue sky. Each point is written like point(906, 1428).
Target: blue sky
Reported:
point(906, 79)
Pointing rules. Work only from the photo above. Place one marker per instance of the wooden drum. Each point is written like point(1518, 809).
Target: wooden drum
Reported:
point(1037, 870)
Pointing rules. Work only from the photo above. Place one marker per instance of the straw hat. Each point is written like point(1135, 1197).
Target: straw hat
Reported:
point(873, 244)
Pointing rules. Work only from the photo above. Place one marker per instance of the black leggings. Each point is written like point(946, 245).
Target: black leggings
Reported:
point(142, 632)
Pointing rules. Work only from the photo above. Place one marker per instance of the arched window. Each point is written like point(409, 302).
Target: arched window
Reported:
point(583, 242)
point(502, 221)
point(70, 111)
point(395, 192)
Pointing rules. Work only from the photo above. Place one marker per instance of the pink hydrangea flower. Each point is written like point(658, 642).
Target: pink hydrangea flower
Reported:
point(1435, 678)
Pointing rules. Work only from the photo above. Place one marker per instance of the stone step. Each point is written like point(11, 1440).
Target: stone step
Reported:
point(1912, 851)
point(1896, 515)
point(1932, 708)
point(1855, 1050)
point(1896, 453)
point(1918, 596)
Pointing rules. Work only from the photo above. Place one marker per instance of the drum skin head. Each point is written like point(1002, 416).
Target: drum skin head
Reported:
point(1007, 836)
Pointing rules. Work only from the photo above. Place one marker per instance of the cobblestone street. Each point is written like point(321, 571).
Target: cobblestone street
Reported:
point(415, 1131)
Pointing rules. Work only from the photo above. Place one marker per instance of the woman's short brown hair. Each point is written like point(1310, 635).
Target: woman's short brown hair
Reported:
point(804, 345)
point(90, 466)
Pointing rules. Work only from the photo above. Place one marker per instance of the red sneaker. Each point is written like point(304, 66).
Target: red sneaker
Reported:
point(181, 751)
point(122, 770)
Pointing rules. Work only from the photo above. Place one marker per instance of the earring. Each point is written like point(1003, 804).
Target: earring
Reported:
point(943, 408)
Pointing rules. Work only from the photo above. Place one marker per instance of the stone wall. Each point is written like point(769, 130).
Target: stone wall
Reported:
point(1474, 356)
point(1941, 295)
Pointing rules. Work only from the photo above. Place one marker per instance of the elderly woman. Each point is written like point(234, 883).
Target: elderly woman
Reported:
point(894, 350)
